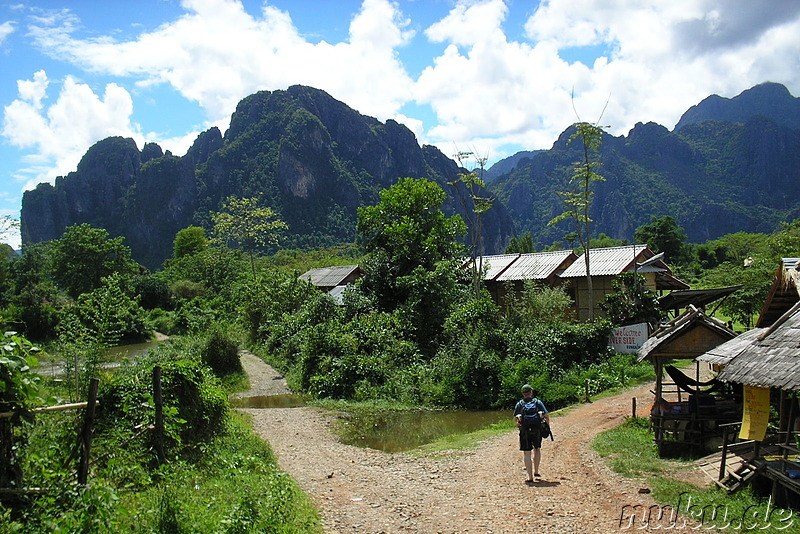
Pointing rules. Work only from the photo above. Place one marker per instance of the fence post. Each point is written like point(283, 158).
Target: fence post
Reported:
point(633, 407)
point(86, 432)
point(159, 405)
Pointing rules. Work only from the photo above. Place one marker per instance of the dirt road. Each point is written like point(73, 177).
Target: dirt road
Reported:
point(478, 490)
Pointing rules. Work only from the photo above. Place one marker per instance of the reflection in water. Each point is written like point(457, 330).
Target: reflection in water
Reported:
point(268, 401)
point(402, 431)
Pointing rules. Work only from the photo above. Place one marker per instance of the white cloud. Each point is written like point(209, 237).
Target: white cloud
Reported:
point(60, 134)
point(660, 59)
point(489, 92)
point(216, 54)
point(6, 29)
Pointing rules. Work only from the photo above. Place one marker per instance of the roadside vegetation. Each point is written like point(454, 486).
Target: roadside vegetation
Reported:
point(413, 332)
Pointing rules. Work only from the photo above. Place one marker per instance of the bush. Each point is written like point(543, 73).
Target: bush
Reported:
point(195, 407)
point(221, 353)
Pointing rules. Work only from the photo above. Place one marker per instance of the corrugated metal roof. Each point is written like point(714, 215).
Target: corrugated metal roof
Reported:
point(608, 261)
point(772, 359)
point(535, 266)
point(496, 264)
point(328, 276)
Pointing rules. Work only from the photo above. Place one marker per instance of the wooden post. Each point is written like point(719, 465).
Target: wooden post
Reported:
point(633, 407)
point(86, 433)
point(159, 405)
point(723, 459)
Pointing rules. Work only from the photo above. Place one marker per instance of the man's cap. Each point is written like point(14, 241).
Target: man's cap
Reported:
point(526, 388)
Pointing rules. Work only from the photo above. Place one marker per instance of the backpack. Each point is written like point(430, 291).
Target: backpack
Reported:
point(532, 421)
point(530, 413)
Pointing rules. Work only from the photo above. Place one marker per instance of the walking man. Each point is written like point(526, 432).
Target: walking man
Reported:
point(528, 414)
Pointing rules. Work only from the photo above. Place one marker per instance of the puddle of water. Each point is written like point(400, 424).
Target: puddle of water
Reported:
point(124, 352)
point(402, 431)
point(268, 401)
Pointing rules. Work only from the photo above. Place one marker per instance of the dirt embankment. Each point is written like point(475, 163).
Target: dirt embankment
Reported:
point(478, 490)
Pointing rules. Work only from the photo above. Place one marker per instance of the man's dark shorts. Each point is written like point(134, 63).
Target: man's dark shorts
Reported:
point(529, 439)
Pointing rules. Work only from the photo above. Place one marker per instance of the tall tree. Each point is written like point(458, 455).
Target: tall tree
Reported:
point(85, 255)
point(664, 235)
point(578, 198)
point(245, 223)
point(411, 264)
point(470, 190)
point(190, 240)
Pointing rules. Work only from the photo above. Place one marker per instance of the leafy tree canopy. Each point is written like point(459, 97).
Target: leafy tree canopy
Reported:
point(664, 235)
point(521, 245)
point(632, 302)
point(85, 255)
point(189, 241)
point(409, 227)
point(244, 222)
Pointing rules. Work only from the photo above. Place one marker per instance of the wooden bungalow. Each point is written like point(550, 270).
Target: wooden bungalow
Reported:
point(606, 264)
point(507, 273)
point(687, 411)
point(766, 363)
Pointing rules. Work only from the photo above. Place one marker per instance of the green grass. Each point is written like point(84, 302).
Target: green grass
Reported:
point(236, 487)
point(630, 451)
point(470, 440)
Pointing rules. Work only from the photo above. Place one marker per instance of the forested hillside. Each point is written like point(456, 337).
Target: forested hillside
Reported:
point(738, 173)
point(732, 165)
point(309, 157)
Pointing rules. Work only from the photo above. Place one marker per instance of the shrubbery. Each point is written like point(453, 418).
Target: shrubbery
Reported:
point(221, 352)
point(195, 406)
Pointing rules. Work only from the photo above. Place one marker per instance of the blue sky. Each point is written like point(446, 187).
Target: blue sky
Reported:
point(493, 76)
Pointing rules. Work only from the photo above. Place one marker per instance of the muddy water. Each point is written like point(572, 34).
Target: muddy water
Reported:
point(392, 431)
point(402, 431)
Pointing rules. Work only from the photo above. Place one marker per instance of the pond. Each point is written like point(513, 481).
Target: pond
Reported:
point(124, 352)
point(269, 401)
point(402, 431)
point(390, 431)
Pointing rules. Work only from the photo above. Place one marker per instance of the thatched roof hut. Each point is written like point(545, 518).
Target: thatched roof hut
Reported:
point(785, 291)
point(771, 359)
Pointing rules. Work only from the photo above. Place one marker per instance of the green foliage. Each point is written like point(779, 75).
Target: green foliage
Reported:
point(217, 269)
point(521, 244)
point(221, 352)
point(195, 406)
point(246, 224)
point(85, 255)
point(632, 301)
point(19, 392)
point(264, 304)
point(408, 229)
point(35, 298)
point(153, 292)
point(664, 235)
point(756, 280)
point(538, 303)
point(106, 315)
point(411, 262)
point(188, 241)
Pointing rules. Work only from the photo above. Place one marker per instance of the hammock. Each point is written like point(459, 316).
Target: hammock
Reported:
point(689, 384)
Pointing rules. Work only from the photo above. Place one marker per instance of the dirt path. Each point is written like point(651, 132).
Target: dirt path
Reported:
point(479, 490)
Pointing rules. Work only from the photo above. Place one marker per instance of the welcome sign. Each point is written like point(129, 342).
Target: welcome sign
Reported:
point(628, 339)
